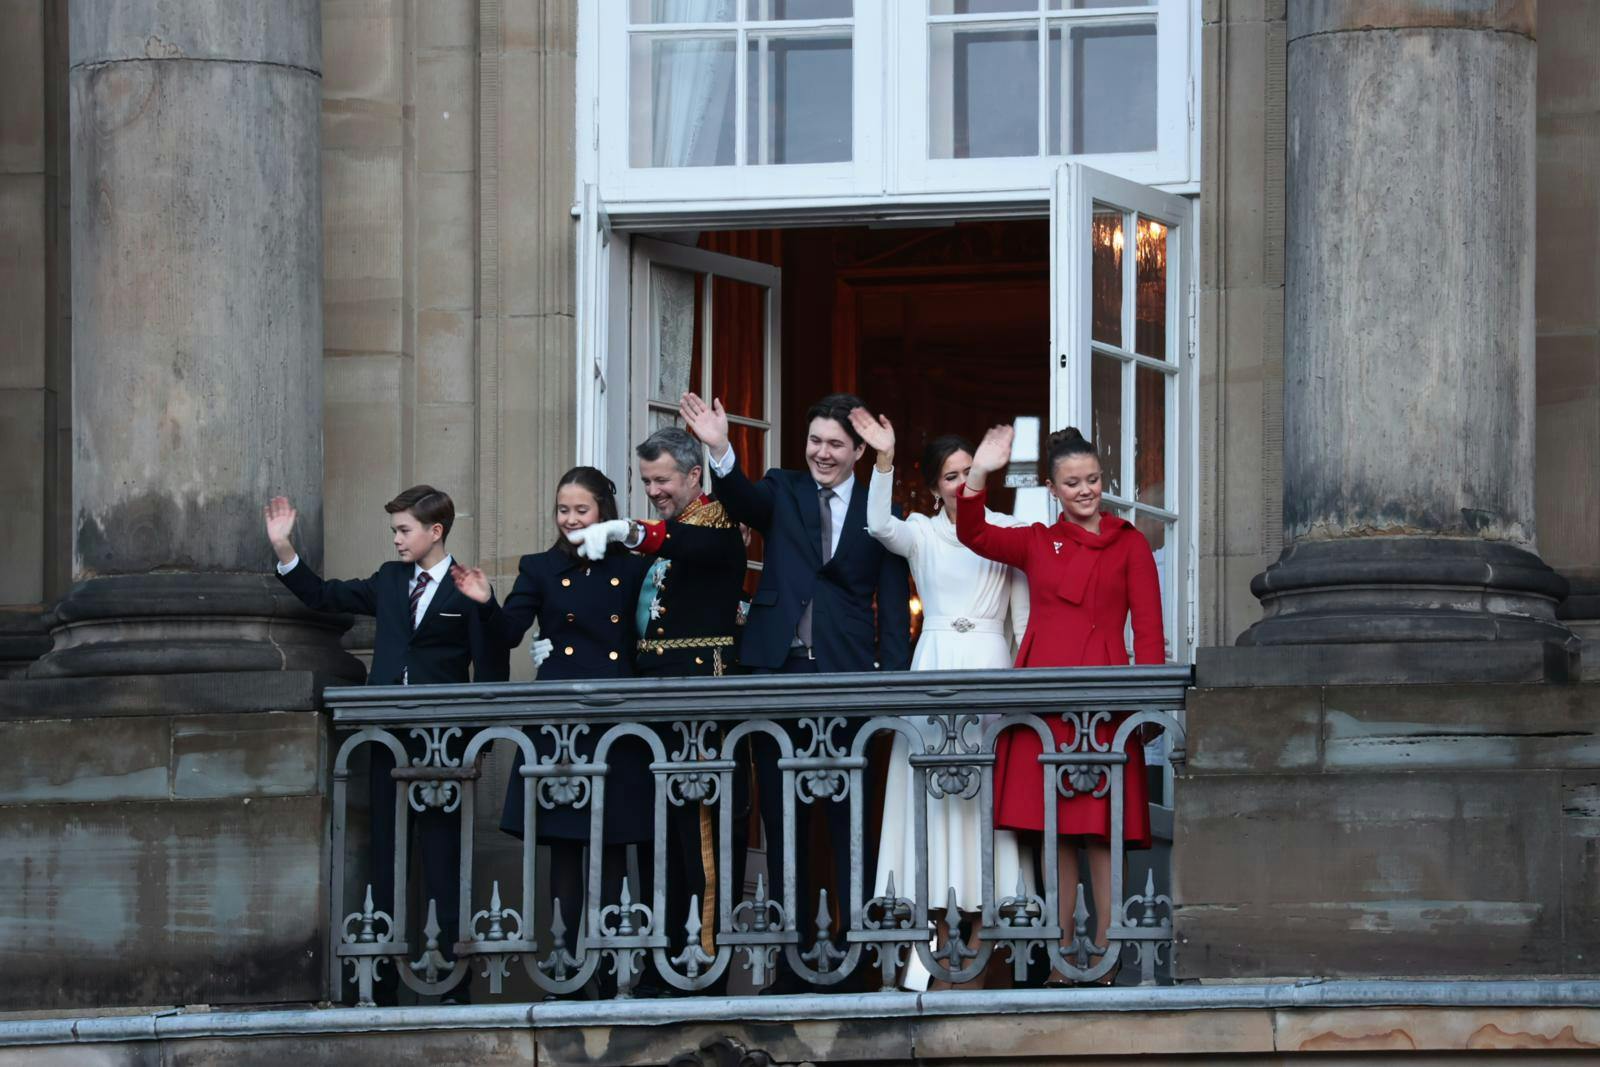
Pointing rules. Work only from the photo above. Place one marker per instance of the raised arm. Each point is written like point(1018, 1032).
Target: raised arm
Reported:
point(882, 523)
point(357, 596)
point(1003, 544)
point(744, 501)
point(1144, 603)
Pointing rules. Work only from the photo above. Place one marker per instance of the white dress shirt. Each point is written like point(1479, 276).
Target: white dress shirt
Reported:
point(435, 574)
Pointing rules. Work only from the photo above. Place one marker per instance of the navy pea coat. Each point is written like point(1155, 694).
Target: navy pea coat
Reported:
point(586, 610)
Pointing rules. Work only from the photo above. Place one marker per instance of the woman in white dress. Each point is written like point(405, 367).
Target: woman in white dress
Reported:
point(966, 601)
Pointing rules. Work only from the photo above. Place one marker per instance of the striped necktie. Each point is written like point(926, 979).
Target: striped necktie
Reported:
point(416, 595)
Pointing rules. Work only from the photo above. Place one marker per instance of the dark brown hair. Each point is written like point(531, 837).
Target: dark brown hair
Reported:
point(604, 491)
point(1065, 443)
point(936, 452)
point(427, 505)
point(838, 406)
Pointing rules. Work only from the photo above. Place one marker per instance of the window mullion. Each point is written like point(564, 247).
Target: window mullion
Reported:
point(1042, 135)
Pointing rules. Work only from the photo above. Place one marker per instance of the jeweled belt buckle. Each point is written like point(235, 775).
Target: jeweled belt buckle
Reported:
point(963, 625)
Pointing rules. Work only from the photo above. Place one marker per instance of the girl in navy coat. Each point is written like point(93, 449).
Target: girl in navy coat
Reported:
point(586, 611)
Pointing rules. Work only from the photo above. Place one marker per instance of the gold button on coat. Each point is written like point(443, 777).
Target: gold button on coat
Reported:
point(566, 581)
point(660, 630)
point(613, 655)
point(571, 617)
point(568, 650)
point(616, 581)
point(616, 618)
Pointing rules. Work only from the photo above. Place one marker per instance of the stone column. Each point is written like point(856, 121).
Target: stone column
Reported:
point(197, 335)
point(1409, 329)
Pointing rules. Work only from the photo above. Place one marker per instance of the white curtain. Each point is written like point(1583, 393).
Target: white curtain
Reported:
point(693, 90)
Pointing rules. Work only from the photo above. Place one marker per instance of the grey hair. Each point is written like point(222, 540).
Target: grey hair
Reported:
point(684, 449)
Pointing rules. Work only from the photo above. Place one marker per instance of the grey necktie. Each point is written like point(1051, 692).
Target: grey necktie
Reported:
point(825, 506)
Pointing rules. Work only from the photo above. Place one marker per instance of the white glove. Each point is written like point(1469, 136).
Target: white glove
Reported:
point(540, 651)
point(592, 541)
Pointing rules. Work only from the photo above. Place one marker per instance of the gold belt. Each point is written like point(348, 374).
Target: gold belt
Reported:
point(658, 647)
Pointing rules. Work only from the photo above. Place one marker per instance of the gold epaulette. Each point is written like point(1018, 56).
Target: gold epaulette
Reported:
point(709, 514)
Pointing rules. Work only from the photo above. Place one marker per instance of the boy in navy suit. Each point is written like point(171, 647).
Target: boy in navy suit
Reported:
point(814, 610)
point(428, 633)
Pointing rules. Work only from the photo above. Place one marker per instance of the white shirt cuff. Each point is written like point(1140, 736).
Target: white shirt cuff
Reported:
point(721, 465)
point(285, 568)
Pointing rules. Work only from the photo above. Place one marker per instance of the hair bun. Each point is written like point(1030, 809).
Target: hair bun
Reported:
point(1066, 438)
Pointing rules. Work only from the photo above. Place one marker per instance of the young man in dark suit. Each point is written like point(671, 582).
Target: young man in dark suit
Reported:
point(814, 610)
point(428, 633)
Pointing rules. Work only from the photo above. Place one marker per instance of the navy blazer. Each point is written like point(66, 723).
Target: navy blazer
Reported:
point(451, 636)
point(783, 506)
point(585, 609)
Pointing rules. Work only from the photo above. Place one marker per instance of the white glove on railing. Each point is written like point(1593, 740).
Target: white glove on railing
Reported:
point(540, 651)
point(592, 541)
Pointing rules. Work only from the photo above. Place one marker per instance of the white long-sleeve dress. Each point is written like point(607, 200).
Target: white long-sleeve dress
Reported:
point(966, 601)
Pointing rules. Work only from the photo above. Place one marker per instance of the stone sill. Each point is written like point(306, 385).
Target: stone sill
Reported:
point(1024, 1025)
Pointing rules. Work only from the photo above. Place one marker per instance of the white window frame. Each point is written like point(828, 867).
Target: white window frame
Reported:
point(889, 172)
point(647, 252)
point(1169, 162)
point(624, 183)
point(1078, 190)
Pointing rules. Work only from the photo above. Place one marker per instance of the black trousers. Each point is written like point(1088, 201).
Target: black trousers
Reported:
point(827, 820)
point(436, 837)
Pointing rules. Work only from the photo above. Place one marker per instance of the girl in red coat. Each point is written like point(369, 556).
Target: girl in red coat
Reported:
point(1087, 573)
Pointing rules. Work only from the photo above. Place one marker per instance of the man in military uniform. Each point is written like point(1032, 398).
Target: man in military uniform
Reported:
point(688, 616)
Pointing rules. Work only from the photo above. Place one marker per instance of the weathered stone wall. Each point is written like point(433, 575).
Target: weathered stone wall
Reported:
point(1567, 303)
point(1411, 830)
point(927, 1032)
point(165, 841)
point(35, 398)
point(448, 185)
point(1241, 306)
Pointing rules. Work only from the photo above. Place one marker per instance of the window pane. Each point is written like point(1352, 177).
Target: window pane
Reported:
point(661, 418)
point(1110, 88)
point(799, 99)
point(1105, 277)
point(979, 7)
point(1078, 5)
point(681, 102)
point(749, 445)
point(683, 10)
point(983, 93)
point(675, 318)
point(780, 10)
point(1150, 301)
point(739, 352)
point(1161, 537)
point(1105, 398)
point(1150, 436)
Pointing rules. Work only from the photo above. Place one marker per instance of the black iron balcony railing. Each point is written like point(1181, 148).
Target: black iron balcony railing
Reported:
point(697, 732)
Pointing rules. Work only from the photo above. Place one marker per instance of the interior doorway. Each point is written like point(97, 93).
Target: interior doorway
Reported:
point(944, 329)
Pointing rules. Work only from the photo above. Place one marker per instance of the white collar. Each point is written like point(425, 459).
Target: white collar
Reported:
point(436, 572)
point(843, 489)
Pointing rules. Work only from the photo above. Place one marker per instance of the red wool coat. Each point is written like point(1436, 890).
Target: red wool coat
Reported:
point(1082, 587)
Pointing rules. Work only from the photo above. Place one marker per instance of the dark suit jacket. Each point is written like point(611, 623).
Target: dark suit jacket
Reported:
point(451, 637)
point(783, 507)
